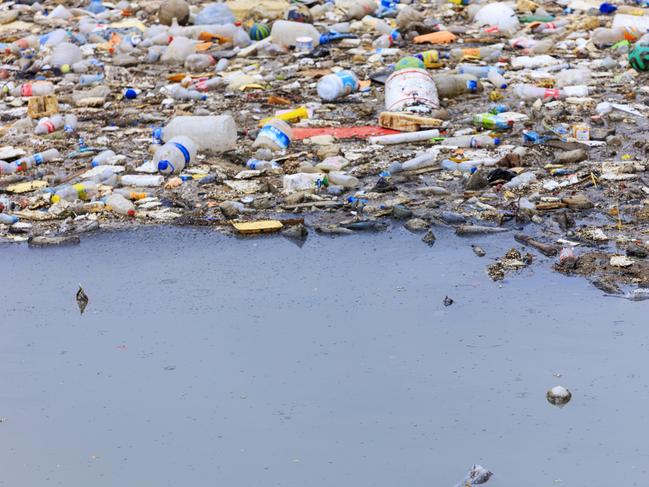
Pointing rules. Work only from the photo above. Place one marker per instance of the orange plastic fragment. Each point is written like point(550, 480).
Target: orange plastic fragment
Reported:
point(441, 37)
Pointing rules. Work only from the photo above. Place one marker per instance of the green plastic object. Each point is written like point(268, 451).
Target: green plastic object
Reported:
point(639, 58)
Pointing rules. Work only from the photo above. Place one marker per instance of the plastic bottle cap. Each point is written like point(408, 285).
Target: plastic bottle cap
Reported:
point(130, 212)
point(56, 198)
point(497, 141)
point(65, 68)
point(163, 165)
point(130, 94)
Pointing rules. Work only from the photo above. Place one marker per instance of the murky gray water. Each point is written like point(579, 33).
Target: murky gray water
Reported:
point(207, 360)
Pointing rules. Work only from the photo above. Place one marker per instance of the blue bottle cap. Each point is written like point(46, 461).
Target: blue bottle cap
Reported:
point(497, 141)
point(130, 94)
point(472, 85)
point(163, 165)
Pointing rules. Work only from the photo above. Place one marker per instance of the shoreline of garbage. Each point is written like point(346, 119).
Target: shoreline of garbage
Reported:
point(525, 118)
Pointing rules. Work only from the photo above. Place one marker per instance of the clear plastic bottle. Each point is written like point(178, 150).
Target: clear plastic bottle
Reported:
point(70, 123)
point(48, 125)
point(141, 180)
point(337, 85)
point(214, 13)
point(65, 53)
point(175, 155)
point(103, 158)
point(214, 133)
point(25, 163)
point(132, 194)
point(120, 205)
point(286, 32)
point(529, 92)
point(452, 85)
point(38, 88)
point(343, 179)
point(488, 54)
point(256, 164)
point(7, 168)
point(471, 141)
point(70, 192)
point(90, 79)
point(381, 27)
point(605, 37)
point(177, 92)
point(497, 79)
point(199, 62)
point(178, 50)
point(210, 84)
point(357, 9)
point(276, 135)
point(476, 70)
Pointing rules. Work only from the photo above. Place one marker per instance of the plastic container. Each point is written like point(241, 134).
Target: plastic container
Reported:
point(488, 54)
point(199, 62)
point(466, 166)
point(38, 88)
point(357, 9)
point(214, 133)
point(7, 168)
point(497, 79)
point(521, 181)
point(103, 158)
point(411, 90)
point(177, 92)
point(132, 194)
point(426, 159)
point(337, 85)
point(48, 125)
point(215, 13)
point(178, 50)
point(302, 181)
point(341, 179)
point(471, 141)
point(210, 84)
point(91, 79)
point(120, 205)
point(25, 163)
point(476, 70)
point(452, 85)
point(96, 7)
point(175, 155)
point(285, 33)
point(492, 122)
point(529, 92)
point(276, 135)
point(70, 192)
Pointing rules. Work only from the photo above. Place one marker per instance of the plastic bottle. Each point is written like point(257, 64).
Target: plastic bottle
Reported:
point(572, 77)
point(357, 9)
point(476, 70)
point(342, 179)
point(276, 135)
point(178, 50)
point(89, 79)
point(7, 168)
point(70, 192)
point(48, 125)
point(285, 33)
point(452, 85)
point(425, 159)
point(175, 155)
point(411, 90)
point(70, 123)
point(337, 85)
point(488, 54)
point(177, 92)
point(473, 141)
point(429, 58)
point(256, 164)
point(529, 92)
point(132, 195)
point(25, 163)
point(302, 181)
point(8, 219)
point(464, 166)
point(606, 37)
point(492, 122)
point(404, 137)
point(140, 180)
point(499, 15)
point(215, 133)
point(54, 38)
point(497, 79)
point(102, 158)
point(550, 26)
point(520, 181)
point(120, 205)
point(38, 88)
point(199, 62)
point(215, 13)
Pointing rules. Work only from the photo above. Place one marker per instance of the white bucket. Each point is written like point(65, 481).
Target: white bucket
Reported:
point(411, 90)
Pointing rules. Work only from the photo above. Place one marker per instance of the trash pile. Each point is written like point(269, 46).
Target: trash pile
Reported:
point(523, 118)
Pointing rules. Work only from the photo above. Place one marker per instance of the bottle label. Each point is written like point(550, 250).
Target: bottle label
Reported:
point(81, 191)
point(471, 52)
point(26, 89)
point(48, 125)
point(183, 150)
point(350, 84)
point(38, 159)
point(252, 164)
point(276, 135)
point(552, 94)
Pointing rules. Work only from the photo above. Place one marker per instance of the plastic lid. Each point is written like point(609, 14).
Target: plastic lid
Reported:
point(163, 165)
point(56, 198)
point(130, 94)
point(497, 141)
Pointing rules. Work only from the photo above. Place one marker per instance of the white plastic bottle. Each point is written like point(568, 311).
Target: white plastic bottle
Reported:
point(8, 219)
point(25, 163)
point(343, 179)
point(214, 133)
point(175, 155)
point(7, 168)
point(285, 32)
point(71, 192)
point(140, 180)
point(301, 181)
point(38, 88)
point(357, 9)
point(276, 135)
point(65, 53)
point(70, 123)
point(177, 92)
point(103, 158)
point(199, 62)
point(337, 85)
point(257, 165)
point(48, 125)
point(474, 141)
point(120, 205)
point(497, 79)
